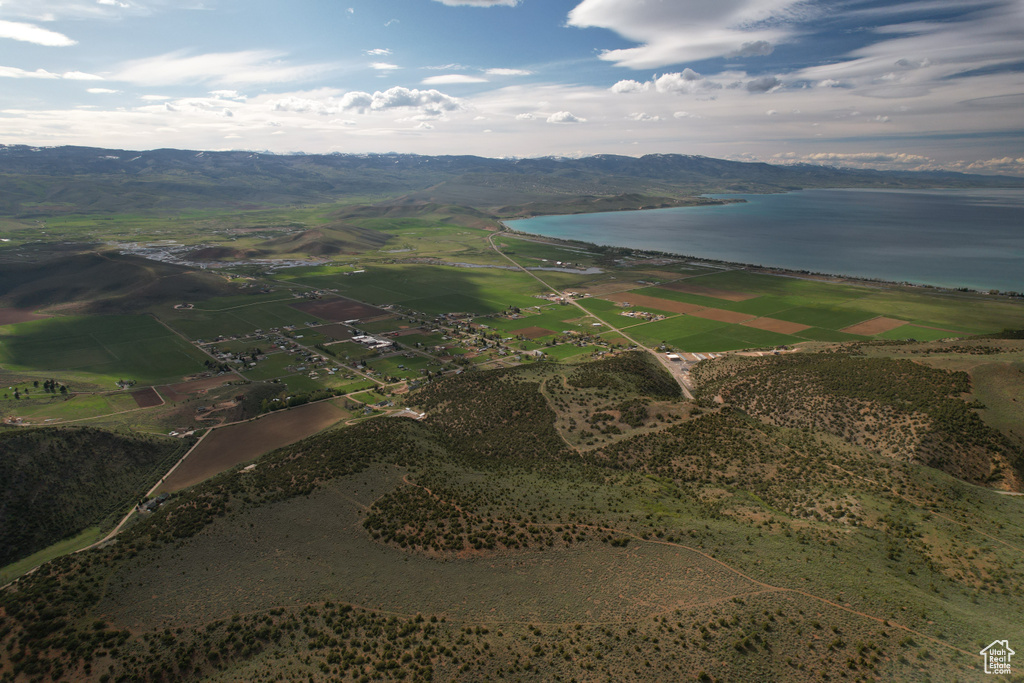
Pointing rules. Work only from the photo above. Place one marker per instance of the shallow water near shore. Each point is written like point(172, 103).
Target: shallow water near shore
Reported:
point(948, 238)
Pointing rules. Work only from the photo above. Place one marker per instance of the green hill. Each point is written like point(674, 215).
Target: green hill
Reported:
point(480, 543)
point(104, 282)
point(55, 482)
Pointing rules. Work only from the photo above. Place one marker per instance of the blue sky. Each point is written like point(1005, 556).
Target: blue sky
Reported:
point(916, 84)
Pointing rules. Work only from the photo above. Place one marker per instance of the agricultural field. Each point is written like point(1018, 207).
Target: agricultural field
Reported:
point(231, 316)
point(102, 348)
point(433, 289)
point(231, 445)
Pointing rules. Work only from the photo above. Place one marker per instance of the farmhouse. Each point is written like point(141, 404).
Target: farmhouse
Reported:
point(373, 342)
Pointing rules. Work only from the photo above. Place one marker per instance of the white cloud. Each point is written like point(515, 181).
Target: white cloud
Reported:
point(15, 72)
point(101, 91)
point(80, 76)
point(245, 67)
point(227, 94)
point(685, 115)
point(155, 98)
point(448, 79)
point(508, 72)
point(479, 3)
point(564, 117)
point(377, 52)
point(527, 116)
point(642, 116)
point(682, 82)
point(384, 66)
point(674, 32)
point(30, 33)
point(421, 104)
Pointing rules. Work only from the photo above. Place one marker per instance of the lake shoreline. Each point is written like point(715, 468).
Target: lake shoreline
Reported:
point(974, 245)
point(768, 270)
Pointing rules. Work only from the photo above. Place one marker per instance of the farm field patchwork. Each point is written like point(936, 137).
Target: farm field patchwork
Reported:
point(434, 289)
point(106, 347)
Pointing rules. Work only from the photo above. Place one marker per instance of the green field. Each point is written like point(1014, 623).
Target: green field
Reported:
point(389, 367)
point(230, 316)
point(434, 289)
point(109, 347)
point(273, 365)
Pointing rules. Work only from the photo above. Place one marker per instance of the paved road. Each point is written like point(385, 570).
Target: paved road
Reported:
point(674, 367)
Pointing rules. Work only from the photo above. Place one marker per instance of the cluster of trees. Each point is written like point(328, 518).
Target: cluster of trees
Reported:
point(56, 482)
point(893, 406)
point(635, 372)
point(412, 518)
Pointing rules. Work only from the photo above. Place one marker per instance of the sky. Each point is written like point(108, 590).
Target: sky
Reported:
point(896, 84)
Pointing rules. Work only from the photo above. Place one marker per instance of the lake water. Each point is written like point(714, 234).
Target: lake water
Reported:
point(949, 238)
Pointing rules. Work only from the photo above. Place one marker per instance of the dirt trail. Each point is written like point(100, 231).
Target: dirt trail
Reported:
point(766, 587)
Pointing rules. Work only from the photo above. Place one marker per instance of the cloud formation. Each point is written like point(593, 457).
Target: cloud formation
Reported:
point(682, 82)
point(226, 68)
point(30, 33)
point(507, 72)
point(564, 117)
point(448, 79)
point(678, 32)
point(419, 104)
point(14, 72)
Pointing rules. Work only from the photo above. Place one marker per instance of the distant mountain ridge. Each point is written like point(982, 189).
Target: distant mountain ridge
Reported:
point(89, 179)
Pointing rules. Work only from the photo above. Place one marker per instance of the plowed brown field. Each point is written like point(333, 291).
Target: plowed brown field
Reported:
point(773, 325)
point(709, 291)
point(228, 446)
point(874, 326)
point(340, 309)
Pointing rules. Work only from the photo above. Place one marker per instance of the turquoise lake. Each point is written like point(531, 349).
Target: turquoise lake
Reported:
point(948, 238)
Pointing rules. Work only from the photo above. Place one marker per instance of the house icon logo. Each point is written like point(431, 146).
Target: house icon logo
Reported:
point(997, 657)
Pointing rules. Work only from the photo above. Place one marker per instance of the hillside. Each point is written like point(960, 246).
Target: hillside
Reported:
point(688, 543)
point(894, 407)
point(40, 182)
point(104, 282)
point(55, 482)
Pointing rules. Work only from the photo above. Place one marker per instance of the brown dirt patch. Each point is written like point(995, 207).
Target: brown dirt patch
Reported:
point(709, 291)
point(10, 316)
point(874, 326)
point(773, 325)
point(199, 386)
point(335, 331)
point(228, 446)
point(644, 301)
point(340, 309)
point(721, 315)
point(602, 288)
point(532, 332)
point(146, 398)
point(408, 330)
